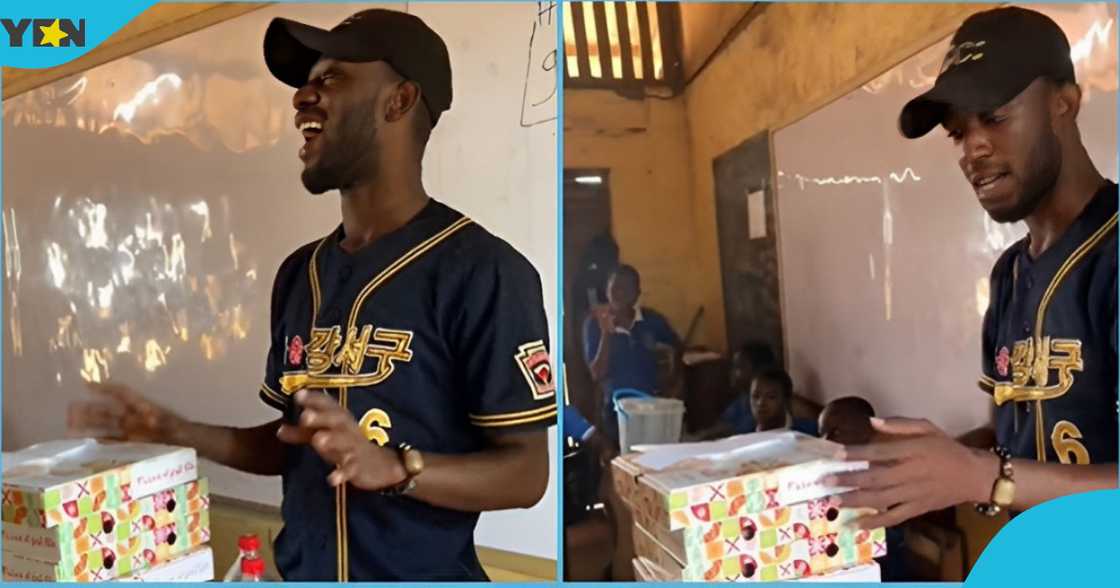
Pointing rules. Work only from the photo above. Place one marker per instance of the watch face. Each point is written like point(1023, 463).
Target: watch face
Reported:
point(413, 462)
point(1003, 492)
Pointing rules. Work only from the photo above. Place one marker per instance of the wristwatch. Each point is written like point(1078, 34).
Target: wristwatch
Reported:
point(1003, 489)
point(413, 462)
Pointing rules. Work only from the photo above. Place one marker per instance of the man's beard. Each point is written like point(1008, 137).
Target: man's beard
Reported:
point(347, 158)
point(1044, 163)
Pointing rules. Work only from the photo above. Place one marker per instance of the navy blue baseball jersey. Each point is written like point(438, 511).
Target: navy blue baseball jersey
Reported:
point(1049, 353)
point(431, 336)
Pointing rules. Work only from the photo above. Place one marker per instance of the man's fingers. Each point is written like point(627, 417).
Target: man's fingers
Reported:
point(337, 478)
point(294, 435)
point(881, 498)
point(903, 426)
point(332, 446)
point(329, 417)
point(877, 477)
point(92, 416)
point(890, 518)
point(881, 451)
point(345, 472)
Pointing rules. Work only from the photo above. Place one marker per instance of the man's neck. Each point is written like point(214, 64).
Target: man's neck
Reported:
point(371, 211)
point(1078, 182)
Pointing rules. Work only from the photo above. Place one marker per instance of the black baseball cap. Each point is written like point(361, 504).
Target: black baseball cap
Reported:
point(993, 57)
point(400, 39)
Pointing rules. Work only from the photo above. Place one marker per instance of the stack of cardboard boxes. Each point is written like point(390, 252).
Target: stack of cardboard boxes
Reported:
point(81, 510)
point(747, 508)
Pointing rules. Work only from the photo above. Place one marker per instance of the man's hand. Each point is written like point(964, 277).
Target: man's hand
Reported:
point(605, 317)
point(122, 414)
point(332, 431)
point(915, 468)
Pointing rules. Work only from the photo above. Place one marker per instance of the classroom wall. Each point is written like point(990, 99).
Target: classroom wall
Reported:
point(768, 73)
point(789, 61)
point(644, 143)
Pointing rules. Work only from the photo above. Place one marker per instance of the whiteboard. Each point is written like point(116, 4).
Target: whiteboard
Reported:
point(172, 164)
point(885, 253)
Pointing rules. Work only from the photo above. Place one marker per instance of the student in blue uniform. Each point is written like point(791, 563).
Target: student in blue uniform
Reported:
point(622, 341)
point(409, 346)
point(1008, 99)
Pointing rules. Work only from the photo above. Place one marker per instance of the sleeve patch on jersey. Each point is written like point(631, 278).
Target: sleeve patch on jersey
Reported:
point(536, 366)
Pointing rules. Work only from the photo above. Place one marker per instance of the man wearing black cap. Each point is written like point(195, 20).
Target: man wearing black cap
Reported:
point(409, 347)
point(1008, 98)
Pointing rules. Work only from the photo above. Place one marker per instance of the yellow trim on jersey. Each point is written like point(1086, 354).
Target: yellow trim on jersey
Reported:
point(343, 528)
point(509, 423)
point(1072, 260)
point(1005, 391)
point(313, 274)
point(400, 263)
point(352, 380)
point(511, 415)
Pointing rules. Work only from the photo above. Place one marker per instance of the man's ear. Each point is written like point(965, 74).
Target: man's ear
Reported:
point(1067, 102)
point(404, 98)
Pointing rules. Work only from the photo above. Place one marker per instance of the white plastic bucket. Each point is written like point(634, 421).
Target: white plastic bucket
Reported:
point(649, 421)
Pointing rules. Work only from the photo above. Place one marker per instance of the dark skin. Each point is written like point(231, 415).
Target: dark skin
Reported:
point(843, 425)
point(768, 405)
point(622, 295)
point(1044, 177)
point(742, 374)
point(370, 149)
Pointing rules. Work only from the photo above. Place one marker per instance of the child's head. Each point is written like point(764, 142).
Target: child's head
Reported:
point(624, 287)
point(747, 361)
point(771, 397)
point(847, 420)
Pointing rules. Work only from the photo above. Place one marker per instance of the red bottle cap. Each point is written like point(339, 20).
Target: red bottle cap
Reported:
point(249, 542)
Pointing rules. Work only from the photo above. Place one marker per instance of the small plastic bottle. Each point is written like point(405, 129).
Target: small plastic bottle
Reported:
point(252, 569)
point(249, 547)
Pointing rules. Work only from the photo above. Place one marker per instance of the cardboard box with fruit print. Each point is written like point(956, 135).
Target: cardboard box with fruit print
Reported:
point(751, 534)
point(105, 561)
point(197, 565)
point(801, 558)
point(693, 484)
point(59, 481)
point(109, 526)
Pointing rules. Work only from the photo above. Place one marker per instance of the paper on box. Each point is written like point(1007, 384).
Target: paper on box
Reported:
point(745, 474)
point(869, 573)
point(109, 526)
point(102, 562)
point(194, 566)
point(58, 481)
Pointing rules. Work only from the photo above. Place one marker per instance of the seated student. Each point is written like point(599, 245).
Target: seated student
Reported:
point(748, 360)
point(622, 341)
point(847, 420)
point(771, 402)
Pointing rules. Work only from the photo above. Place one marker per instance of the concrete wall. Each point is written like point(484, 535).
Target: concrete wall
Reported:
point(704, 25)
point(644, 143)
point(791, 60)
